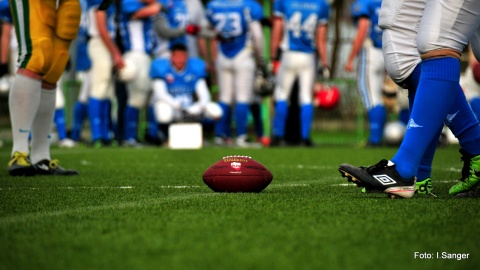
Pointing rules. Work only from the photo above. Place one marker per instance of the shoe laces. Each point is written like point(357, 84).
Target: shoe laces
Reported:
point(377, 167)
point(53, 164)
point(19, 157)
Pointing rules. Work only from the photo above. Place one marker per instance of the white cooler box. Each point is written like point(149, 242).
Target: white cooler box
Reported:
point(185, 136)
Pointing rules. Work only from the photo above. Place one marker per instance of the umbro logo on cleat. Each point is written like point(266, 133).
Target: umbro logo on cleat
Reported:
point(384, 179)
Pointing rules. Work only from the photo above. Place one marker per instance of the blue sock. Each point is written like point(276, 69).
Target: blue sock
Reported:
point(80, 112)
point(106, 125)
point(280, 119)
point(60, 124)
point(425, 168)
point(222, 127)
point(433, 100)
point(241, 118)
point(475, 104)
point(94, 115)
point(464, 124)
point(131, 123)
point(306, 119)
point(377, 116)
point(152, 126)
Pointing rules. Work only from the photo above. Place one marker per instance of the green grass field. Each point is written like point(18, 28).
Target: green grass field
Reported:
point(149, 209)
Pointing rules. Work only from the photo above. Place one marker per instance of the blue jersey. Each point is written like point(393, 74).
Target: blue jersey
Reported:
point(137, 35)
point(177, 17)
point(92, 6)
point(82, 60)
point(230, 19)
point(5, 14)
point(301, 18)
point(369, 9)
point(180, 84)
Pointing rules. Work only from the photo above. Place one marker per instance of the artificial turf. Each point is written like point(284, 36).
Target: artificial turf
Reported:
point(149, 209)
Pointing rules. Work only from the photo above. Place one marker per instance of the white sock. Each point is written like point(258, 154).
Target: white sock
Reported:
point(23, 102)
point(42, 126)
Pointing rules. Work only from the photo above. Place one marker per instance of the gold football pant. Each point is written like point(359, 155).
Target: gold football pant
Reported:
point(45, 30)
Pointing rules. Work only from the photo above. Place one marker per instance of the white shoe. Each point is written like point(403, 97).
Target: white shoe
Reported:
point(220, 141)
point(243, 143)
point(67, 143)
point(132, 143)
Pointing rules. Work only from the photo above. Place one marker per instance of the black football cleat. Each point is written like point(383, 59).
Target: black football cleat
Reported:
point(382, 176)
point(51, 167)
point(20, 165)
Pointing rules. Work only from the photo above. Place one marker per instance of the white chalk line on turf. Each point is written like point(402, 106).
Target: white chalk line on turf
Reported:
point(102, 187)
point(132, 187)
point(80, 210)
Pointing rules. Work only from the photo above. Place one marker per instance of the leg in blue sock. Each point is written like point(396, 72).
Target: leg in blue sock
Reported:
point(433, 100)
point(106, 125)
point(241, 118)
point(222, 126)
point(464, 124)
point(152, 126)
point(377, 116)
point(131, 123)
point(94, 114)
point(280, 119)
point(80, 112)
point(306, 119)
point(475, 104)
point(60, 123)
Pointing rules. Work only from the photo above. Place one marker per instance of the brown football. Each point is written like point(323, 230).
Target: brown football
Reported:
point(237, 174)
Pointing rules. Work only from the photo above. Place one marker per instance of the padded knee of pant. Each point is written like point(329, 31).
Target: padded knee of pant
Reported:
point(57, 67)
point(68, 19)
point(40, 60)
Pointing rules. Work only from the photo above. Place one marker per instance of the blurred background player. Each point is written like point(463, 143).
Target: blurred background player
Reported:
point(180, 89)
point(8, 47)
point(138, 37)
point(59, 118)
point(43, 54)
point(237, 50)
point(105, 57)
point(370, 65)
point(180, 21)
point(82, 67)
point(302, 28)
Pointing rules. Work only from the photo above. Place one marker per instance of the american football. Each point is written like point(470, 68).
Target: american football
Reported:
point(237, 174)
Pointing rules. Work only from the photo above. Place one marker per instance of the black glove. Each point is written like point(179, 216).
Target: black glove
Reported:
point(264, 83)
point(323, 72)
